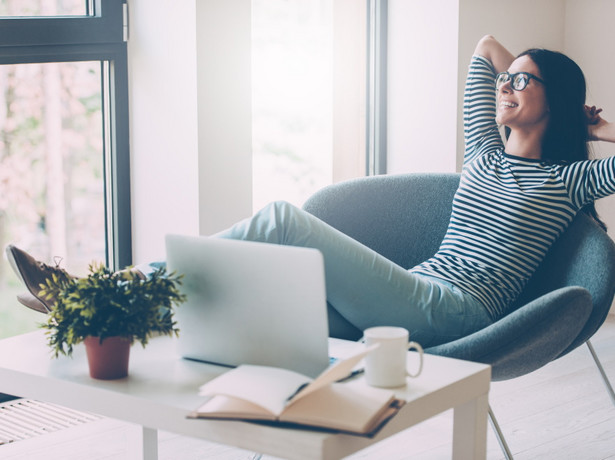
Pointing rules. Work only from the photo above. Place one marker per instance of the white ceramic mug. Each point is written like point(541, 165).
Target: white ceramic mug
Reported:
point(386, 365)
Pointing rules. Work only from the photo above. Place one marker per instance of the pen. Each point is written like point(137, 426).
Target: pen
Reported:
point(352, 375)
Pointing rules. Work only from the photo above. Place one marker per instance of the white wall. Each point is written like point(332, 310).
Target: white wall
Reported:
point(190, 112)
point(163, 124)
point(224, 96)
point(422, 90)
point(593, 51)
point(349, 83)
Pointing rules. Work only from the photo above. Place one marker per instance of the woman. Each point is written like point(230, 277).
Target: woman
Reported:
point(512, 203)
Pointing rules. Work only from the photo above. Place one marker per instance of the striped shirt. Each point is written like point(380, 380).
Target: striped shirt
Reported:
point(508, 210)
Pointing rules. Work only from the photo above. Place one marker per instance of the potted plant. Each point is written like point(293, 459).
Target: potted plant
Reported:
point(109, 311)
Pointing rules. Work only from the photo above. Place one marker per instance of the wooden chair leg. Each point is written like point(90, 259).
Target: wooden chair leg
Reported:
point(605, 378)
point(498, 433)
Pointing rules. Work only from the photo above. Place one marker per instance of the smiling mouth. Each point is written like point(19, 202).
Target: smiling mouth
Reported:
point(508, 104)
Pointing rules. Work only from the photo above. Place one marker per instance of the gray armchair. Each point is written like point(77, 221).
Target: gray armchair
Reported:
point(404, 218)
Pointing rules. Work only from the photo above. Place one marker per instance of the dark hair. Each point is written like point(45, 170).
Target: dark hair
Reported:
point(566, 137)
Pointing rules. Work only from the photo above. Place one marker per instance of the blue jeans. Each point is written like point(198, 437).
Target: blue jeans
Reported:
point(365, 289)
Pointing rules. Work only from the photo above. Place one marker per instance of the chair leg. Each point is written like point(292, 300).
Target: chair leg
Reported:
point(498, 433)
point(494, 423)
point(605, 379)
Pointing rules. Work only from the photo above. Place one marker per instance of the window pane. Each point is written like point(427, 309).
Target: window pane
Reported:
point(44, 7)
point(51, 169)
point(292, 46)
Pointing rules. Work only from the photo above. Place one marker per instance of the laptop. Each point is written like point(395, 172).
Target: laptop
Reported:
point(250, 303)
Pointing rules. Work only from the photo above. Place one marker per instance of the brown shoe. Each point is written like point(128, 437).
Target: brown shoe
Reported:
point(27, 299)
point(33, 273)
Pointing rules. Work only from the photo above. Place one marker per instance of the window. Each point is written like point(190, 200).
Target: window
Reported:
point(309, 96)
point(35, 8)
point(292, 98)
point(64, 165)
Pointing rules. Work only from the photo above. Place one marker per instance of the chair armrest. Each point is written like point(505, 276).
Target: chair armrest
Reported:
point(583, 256)
point(528, 338)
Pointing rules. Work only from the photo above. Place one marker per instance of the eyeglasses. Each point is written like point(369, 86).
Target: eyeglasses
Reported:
point(518, 81)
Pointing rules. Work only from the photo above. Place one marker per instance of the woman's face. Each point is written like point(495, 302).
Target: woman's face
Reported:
point(526, 109)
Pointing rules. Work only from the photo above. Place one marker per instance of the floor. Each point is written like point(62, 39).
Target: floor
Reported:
point(559, 412)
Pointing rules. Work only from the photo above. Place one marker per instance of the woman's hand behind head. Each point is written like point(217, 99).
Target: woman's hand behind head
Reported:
point(599, 128)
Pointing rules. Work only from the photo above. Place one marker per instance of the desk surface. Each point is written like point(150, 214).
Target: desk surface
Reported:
point(162, 388)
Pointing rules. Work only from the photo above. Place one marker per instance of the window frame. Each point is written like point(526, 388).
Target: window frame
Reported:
point(376, 110)
point(97, 37)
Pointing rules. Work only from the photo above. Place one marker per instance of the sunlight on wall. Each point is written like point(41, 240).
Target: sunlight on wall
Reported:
point(292, 99)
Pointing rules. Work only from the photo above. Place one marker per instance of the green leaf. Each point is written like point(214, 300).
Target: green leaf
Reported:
point(105, 304)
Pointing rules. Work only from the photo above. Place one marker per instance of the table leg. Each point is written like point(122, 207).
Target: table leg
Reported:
point(470, 429)
point(146, 445)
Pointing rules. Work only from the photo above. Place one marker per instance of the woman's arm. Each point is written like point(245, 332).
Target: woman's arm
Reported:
point(480, 129)
point(492, 50)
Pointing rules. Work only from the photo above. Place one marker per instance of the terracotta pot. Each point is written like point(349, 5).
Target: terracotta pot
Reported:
point(109, 360)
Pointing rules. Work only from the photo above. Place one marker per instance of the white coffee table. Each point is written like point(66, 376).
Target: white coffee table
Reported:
point(162, 388)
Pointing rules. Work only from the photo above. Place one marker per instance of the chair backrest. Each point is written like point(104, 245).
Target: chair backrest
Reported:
point(404, 217)
point(584, 255)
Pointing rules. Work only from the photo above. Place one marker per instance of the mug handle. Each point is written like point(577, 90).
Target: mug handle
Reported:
point(417, 347)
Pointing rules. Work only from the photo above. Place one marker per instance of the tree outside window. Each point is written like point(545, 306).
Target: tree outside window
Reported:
point(59, 159)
